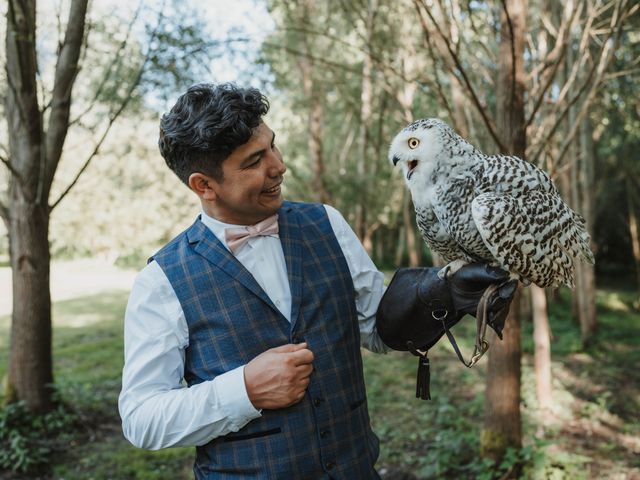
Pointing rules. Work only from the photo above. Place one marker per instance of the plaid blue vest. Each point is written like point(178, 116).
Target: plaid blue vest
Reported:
point(231, 320)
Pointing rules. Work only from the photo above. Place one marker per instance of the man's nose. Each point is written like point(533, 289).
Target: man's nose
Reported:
point(276, 166)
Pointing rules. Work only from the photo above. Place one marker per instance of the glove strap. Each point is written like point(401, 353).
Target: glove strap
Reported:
point(481, 345)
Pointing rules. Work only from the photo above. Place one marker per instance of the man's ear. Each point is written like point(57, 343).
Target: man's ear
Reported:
point(203, 186)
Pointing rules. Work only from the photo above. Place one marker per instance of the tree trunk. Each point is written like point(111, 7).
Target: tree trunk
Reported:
point(30, 361)
point(458, 98)
point(366, 109)
point(634, 229)
point(408, 217)
point(586, 272)
point(502, 423)
point(400, 243)
point(542, 356)
point(316, 109)
point(33, 158)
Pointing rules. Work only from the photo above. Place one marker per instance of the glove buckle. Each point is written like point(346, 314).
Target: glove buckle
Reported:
point(479, 353)
point(439, 318)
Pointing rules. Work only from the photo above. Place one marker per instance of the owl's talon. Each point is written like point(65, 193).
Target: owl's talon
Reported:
point(450, 269)
point(442, 273)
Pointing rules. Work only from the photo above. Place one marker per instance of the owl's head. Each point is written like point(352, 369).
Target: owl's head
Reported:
point(422, 145)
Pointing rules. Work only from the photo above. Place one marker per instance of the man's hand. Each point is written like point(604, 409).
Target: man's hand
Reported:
point(279, 377)
point(468, 285)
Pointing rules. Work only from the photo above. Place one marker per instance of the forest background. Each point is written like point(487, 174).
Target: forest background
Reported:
point(555, 82)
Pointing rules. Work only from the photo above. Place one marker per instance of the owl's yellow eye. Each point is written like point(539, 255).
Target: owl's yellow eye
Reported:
point(413, 143)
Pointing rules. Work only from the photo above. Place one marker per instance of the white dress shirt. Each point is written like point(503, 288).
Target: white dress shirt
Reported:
point(158, 410)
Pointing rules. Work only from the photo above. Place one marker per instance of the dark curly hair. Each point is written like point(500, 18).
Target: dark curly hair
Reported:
point(206, 124)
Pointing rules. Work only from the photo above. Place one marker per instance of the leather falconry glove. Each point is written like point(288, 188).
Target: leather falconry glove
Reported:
point(418, 308)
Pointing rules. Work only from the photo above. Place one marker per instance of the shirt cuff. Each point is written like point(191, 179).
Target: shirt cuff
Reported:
point(234, 399)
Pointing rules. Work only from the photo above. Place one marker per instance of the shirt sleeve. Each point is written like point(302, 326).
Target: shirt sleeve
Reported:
point(368, 281)
point(158, 410)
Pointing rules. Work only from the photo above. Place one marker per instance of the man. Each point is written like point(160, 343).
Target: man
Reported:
point(243, 334)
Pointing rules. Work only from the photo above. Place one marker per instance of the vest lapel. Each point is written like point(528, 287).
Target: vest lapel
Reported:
point(206, 244)
point(291, 241)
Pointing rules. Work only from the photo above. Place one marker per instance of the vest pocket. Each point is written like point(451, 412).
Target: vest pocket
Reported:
point(248, 436)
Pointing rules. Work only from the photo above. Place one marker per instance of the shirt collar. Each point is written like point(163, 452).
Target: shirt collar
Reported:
point(217, 227)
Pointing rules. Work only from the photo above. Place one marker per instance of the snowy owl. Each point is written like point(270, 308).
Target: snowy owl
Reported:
point(497, 209)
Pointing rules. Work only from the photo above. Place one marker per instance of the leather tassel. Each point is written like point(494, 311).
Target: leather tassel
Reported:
point(424, 378)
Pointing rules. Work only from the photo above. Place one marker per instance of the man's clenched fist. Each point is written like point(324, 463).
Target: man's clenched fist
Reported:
point(279, 377)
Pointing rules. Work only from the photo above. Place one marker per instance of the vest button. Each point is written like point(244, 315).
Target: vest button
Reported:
point(329, 465)
point(325, 433)
point(318, 401)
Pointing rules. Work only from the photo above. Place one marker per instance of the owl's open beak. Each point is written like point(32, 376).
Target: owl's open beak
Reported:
point(412, 168)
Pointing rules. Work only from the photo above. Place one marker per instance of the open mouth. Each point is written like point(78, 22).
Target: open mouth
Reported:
point(412, 166)
point(272, 190)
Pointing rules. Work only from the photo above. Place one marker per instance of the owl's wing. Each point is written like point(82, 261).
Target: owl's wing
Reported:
point(533, 234)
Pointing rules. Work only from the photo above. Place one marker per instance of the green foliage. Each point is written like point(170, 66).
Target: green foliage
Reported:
point(27, 441)
point(135, 202)
point(617, 131)
point(554, 464)
point(86, 441)
point(357, 175)
point(438, 438)
point(137, 56)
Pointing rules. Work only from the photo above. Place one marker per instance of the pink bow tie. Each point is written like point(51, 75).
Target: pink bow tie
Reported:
point(236, 237)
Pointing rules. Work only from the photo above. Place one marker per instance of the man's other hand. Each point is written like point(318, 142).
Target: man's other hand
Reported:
point(279, 377)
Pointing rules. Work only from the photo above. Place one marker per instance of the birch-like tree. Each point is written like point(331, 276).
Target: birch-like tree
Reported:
point(39, 116)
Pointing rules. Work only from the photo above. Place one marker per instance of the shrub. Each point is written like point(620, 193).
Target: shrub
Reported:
point(27, 440)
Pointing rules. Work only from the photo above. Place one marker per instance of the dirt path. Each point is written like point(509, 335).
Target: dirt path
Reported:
point(73, 279)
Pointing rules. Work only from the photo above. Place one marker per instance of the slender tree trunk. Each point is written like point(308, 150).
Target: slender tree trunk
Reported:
point(460, 103)
point(366, 109)
point(588, 319)
point(502, 422)
point(542, 345)
point(408, 217)
point(580, 153)
point(316, 116)
point(31, 370)
point(379, 242)
point(34, 156)
point(571, 178)
point(459, 100)
point(526, 310)
point(316, 108)
point(634, 229)
point(400, 243)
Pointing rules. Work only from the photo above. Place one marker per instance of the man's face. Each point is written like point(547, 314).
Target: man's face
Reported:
point(250, 190)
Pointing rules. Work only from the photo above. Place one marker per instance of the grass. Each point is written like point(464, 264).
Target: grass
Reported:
point(88, 360)
point(596, 433)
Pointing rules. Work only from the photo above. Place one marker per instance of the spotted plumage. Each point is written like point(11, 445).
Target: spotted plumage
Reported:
point(495, 209)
